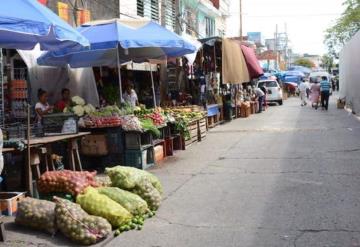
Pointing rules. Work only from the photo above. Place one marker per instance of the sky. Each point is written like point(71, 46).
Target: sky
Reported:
point(306, 20)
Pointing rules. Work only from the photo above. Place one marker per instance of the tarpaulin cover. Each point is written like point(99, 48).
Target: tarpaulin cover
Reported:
point(25, 23)
point(350, 73)
point(80, 81)
point(234, 67)
point(255, 70)
point(136, 40)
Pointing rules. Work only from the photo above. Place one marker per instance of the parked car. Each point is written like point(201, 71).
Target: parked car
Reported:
point(274, 91)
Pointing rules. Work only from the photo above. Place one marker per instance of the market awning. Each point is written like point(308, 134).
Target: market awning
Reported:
point(26, 23)
point(234, 69)
point(255, 70)
point(135, 40)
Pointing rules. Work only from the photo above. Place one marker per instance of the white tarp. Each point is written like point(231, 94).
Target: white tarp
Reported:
point(350, 73)
point(52, 79)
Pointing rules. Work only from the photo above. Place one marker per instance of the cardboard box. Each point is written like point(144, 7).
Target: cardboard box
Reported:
point(94, 145)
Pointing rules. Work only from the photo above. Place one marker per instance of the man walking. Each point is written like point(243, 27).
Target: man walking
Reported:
point(325, 92)
point(302, 89)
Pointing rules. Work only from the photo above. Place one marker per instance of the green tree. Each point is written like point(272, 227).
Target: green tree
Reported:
point(327, 62)
point(344, 28)
point(304, 62)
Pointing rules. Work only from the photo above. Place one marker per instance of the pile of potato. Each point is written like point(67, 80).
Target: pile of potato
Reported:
point(66, 181)
point(79, 226)
point(37, 214)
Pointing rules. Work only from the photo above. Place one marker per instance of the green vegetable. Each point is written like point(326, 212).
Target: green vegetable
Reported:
point(148, 125)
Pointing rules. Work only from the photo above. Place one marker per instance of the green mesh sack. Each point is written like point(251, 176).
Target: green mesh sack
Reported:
point(149, 193)
point(98, 204)
point(132, 202)
point(128, 177)
point(36, 214)
point(79, 226)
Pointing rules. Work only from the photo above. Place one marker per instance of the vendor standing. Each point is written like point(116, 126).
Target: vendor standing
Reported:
point(42, 107)
point(65, 100)
point(130, 96)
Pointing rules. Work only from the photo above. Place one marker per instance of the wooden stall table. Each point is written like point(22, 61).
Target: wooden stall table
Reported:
point(42, 145)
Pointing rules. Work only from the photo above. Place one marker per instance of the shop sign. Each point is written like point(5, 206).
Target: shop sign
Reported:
point(63, 10)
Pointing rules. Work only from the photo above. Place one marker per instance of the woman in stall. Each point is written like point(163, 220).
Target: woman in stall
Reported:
point(42, 107)
point(65, 100)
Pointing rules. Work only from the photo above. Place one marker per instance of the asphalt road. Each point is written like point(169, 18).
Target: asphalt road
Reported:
point(287, 177)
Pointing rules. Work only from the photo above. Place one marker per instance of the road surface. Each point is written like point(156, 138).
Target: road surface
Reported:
point(287, 177)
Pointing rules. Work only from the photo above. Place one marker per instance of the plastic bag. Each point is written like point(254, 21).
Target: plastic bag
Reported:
point(128, 177)
point(132, 202)
point(97, 204)
point(66, 181)
point(79, 226)
point(37, 214)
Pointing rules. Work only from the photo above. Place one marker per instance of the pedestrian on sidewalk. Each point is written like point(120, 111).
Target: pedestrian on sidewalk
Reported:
point(315, 94)
point(325, 92)
point(302, 89)
point(260, 97)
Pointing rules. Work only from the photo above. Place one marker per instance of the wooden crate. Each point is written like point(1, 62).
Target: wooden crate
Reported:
point(202, 129)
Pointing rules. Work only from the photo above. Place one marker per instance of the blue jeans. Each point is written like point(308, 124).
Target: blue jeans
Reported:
point(261, 101)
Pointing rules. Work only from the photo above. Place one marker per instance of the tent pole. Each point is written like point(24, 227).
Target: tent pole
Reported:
point(152, 84)
point(119, 73)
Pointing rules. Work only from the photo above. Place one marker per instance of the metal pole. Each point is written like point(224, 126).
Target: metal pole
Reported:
point(29, 183)
point(241, 21)
point(152, 84)
point(119, 73)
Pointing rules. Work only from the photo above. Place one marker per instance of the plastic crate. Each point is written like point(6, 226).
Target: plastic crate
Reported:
point(60, 124)
point(115, 141)
point(9, 201)
point(141, 159)
point(169, 146)
point(137, 140)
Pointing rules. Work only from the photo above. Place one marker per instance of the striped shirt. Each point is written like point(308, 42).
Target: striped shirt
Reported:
point(325, 86)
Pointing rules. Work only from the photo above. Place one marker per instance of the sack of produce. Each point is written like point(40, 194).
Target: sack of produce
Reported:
point(132, 202)
point(149, 193)
point(66, 181)
point(98, 204)
point(37, 214)
point(79, 226)
point(128, 177)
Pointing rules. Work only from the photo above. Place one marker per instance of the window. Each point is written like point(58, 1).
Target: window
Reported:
point(170, 14)
point(149, 9)
point(210, 27)
point(190, 21)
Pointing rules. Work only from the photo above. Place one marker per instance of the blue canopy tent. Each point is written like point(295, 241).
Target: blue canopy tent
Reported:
point(25, 23)
point(113, 42)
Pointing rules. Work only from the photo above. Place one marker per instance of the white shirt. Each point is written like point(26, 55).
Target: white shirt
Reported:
point(42, 107)
point(259, 92)
point(131, 98)
point(303, 87)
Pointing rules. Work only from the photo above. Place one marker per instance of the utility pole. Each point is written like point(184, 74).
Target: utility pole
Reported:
point(241, 21)
point(276, 46)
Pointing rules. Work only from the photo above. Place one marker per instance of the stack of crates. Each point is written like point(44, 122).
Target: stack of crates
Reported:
point(139, 149)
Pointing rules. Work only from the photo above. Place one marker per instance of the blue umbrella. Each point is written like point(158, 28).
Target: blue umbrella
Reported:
point(135, 40)
point(25, 23)
point(115, 41)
